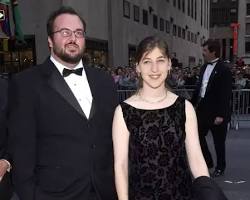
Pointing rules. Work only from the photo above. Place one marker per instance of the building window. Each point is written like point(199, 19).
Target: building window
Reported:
point(155, 21)
point(224, 48)
point(145, 17)
point(183, 6)
point(174, 30)
point(192, 37)
point(247, 47)
point(248, 8)
point(136, 13)
point(161, 24)
point(202, 13)
point(174, 3)
point(179, 4)
point(126, 9)
point(167, 26)
point(233, 11)
point(247, 28)
point(13, 60)
point(179, 31)
point(183, 33)
point(233, 15)
point(188, 7)
point(192, 8)
point(205, 11)
point(223, 16)
point(195, 9)
point(208, 10)
point(188, 35)
point(171, 20)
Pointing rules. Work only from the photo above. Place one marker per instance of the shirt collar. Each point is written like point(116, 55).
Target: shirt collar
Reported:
point(215, 60)
point(60, 66)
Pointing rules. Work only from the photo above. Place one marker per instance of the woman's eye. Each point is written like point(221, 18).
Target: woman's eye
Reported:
point(146, 62)
point(161, 61)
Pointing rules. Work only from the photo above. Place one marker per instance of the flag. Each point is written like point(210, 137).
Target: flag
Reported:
point(17, 21)
point(5, 24)
point(6, 2)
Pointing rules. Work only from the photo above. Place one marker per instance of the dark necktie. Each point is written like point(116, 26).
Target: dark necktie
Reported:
point(66, 72)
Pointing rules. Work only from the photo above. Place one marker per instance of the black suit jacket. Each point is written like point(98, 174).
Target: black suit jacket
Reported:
point(57, 152)
point(3, 112)
point(5, 184)
point(216, 102)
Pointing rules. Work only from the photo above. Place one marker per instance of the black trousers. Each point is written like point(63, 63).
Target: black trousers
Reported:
point(219, 133)
point(6, 190)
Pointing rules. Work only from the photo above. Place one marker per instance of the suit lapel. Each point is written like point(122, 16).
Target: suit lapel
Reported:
point(214, 72)
point(93, 87)
point(56, 81)
point(203, 68)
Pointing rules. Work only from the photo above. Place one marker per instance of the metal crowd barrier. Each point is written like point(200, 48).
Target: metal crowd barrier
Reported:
point(240, 103)
point(240, 107)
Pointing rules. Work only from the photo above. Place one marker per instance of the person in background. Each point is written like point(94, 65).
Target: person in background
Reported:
point(212, 100)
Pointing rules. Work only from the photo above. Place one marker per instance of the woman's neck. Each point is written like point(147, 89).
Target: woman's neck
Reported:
point(153, 93)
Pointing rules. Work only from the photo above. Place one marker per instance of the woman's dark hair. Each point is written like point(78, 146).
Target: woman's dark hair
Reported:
point(213, 46)
point(148, 44)
point(62, 10)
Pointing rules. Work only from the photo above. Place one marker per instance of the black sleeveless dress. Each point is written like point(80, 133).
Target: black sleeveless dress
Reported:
point(158, 167)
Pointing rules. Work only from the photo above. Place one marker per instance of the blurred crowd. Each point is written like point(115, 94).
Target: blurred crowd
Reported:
point(126, 77)
point(241, 75)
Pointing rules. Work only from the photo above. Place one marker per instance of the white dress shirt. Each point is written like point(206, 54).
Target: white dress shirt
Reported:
point(79, 86)
point(206, 76)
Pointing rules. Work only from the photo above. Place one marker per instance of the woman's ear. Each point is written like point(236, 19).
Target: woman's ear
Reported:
point(137, 68)
point(169, 64)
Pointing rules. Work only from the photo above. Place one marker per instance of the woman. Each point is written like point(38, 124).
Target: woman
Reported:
point(155, 134)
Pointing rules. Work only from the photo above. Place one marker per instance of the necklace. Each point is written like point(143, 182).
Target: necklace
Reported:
point(153, 102)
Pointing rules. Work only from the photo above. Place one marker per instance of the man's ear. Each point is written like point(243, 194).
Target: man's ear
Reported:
point(50, 42)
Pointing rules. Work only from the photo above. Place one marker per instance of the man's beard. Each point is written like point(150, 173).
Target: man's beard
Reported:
point(67, 57)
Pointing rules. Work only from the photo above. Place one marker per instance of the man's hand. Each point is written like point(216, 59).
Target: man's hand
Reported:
point(218, 120)
point(3, 168)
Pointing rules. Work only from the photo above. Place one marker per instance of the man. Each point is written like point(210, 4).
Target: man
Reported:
point(60, 121)
point(212, 100)
point(5, 185)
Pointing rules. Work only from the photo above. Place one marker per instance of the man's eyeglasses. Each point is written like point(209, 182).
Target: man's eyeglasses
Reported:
point(65, 32)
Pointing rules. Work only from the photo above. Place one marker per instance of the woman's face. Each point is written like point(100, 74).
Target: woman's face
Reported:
point(153, 68)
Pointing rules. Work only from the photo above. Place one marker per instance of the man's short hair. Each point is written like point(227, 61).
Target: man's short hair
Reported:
point(60, 11)
point(213, 46)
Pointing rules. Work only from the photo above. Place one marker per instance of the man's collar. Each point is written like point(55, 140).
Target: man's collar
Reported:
point(60, 66)
point(213, 61)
